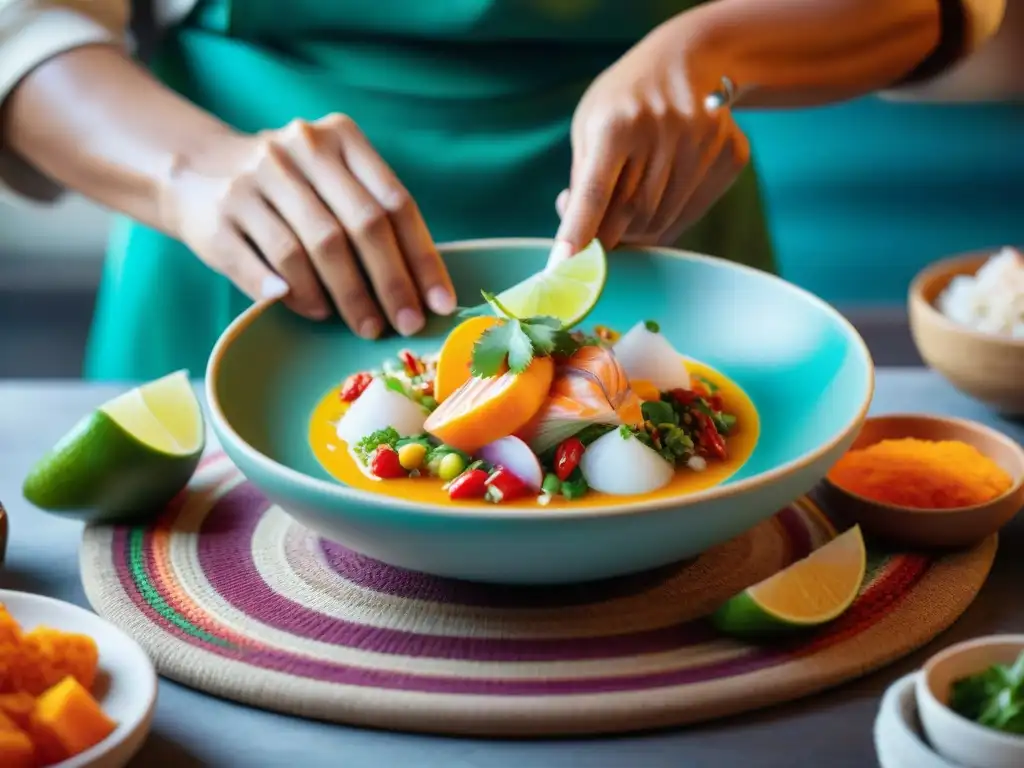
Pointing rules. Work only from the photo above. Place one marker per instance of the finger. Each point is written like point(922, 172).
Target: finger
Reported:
point(324, 240)
point(283, 252)
point(239, 262)
point(623, 206)
point(717, 180)
point(365, 222)
point(590, 196)
point(561, 202)
point(413, 236)
point(651, 194)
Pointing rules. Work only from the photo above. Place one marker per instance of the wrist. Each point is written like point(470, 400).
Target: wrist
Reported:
point(191, 170)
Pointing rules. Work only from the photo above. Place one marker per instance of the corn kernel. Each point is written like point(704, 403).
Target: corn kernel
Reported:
point(411, 456)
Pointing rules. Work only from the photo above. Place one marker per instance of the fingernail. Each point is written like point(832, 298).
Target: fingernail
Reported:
point(562, 201)
point(318, 313)
point(408, 321)
point(562, 251)
point(273, 287)
point(440, 300)
point(369, 329)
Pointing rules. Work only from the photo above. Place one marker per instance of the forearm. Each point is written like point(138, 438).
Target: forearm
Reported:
point(782, 53)
point(99, 124)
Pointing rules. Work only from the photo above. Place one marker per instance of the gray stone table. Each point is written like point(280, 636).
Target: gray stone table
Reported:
point(192, 729)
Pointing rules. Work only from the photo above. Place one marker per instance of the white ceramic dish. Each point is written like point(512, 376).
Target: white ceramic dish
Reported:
point(898, 739)
point(957, 738)
point(126, 686)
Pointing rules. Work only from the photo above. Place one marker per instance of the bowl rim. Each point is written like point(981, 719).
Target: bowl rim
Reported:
point(941, 268)
point(923, 687)
point(967, 423)
point(496, 511)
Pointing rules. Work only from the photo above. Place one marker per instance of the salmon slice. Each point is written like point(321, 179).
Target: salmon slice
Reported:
point(484, 410)
point(590, 387)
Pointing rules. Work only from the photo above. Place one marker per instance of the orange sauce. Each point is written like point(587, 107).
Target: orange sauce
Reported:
point(334, 456)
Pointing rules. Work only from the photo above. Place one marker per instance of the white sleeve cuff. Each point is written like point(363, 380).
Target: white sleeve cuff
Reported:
point(28, 39)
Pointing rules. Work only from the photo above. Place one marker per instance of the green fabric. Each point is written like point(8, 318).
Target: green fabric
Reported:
point(470, 102)
point(886, 188)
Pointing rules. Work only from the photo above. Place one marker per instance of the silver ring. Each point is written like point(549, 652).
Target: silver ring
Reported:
point(722, 97)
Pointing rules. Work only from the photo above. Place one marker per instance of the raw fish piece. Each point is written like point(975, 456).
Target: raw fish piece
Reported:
point(621, 465)
point(648, 355)
point(589, 388)
point(377, 408)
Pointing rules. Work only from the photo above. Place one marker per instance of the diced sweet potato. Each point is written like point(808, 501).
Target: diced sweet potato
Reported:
point(46, 656)
point(67, 715)
point(16, 749)
point(18, 707)
point(10, 631)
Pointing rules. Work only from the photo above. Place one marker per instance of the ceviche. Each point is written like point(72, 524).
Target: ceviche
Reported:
point(523, 410)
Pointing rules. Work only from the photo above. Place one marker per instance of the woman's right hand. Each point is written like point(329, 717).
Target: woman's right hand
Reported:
point(312, 213)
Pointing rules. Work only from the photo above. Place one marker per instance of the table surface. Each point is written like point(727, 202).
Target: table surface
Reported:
point(193, 729)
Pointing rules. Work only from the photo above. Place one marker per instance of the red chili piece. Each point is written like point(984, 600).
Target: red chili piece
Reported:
point(709, 437)
point(502, 485)
point(715, 401)
point(685, 396)
point(471, 484)
point(412, 365)
point(384, 463)
point(354, 386)
point(567, 457)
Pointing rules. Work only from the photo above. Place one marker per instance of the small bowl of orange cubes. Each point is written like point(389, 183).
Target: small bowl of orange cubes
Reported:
point(75, 691)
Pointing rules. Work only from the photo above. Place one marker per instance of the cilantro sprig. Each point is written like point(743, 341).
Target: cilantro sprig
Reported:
point(515, 342)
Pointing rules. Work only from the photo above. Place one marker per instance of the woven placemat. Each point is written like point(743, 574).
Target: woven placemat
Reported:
point(231, 596)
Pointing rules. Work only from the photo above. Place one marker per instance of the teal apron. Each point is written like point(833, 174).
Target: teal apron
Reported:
point(470, 102)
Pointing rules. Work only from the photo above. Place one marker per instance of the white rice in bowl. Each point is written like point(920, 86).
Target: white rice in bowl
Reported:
point(991, 300)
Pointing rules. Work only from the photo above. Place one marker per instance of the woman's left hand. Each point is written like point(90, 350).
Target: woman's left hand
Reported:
point(649, 159)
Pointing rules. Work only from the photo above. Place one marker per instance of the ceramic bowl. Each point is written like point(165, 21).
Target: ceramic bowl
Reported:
point(955, 737)
point(907, 526)
point(898, 739)
point(984, 366)
point(804, 366)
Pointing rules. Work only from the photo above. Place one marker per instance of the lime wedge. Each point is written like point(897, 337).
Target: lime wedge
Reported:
point(127, 458)
point(809, 593)
point(567, 291)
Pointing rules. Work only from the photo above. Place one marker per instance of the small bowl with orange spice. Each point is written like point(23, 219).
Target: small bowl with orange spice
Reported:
point(927, 481)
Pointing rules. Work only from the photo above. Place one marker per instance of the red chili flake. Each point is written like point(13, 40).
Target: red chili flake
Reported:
point(471, 484)
point(567, 457)
point(709, 437)
point(684, 396)
point(413, 366)
point(384, 463)
point(427, 388)
point(354, 386)
point(502, 485)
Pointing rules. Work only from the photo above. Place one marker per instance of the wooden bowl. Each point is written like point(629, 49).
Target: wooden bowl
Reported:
point(985, 366)
point(932, 528)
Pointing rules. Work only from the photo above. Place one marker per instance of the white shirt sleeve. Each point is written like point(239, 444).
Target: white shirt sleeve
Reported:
point(32, 32)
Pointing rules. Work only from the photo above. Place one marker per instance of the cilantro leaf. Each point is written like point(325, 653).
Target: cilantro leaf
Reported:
point(368, 444)
point(490, 352)
point(520, 347)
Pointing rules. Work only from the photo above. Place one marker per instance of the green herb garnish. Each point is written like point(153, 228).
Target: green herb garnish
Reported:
point(712, 387)
point(652, 326)
point(993, 698)
point(659, 412)
point(515, 342)
point(575, 485)
point(366, 446)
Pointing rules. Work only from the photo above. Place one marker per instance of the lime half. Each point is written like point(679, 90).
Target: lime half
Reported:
point(566, 291)
point(809, 593)
point(127, 458)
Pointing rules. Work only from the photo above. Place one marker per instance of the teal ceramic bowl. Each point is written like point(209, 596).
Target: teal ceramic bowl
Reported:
point(805, 367)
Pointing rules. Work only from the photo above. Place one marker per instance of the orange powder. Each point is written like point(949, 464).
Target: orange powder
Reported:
point(923, 474)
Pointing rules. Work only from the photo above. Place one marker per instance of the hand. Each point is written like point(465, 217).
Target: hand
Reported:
point(649, 159)
point(304, 213)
